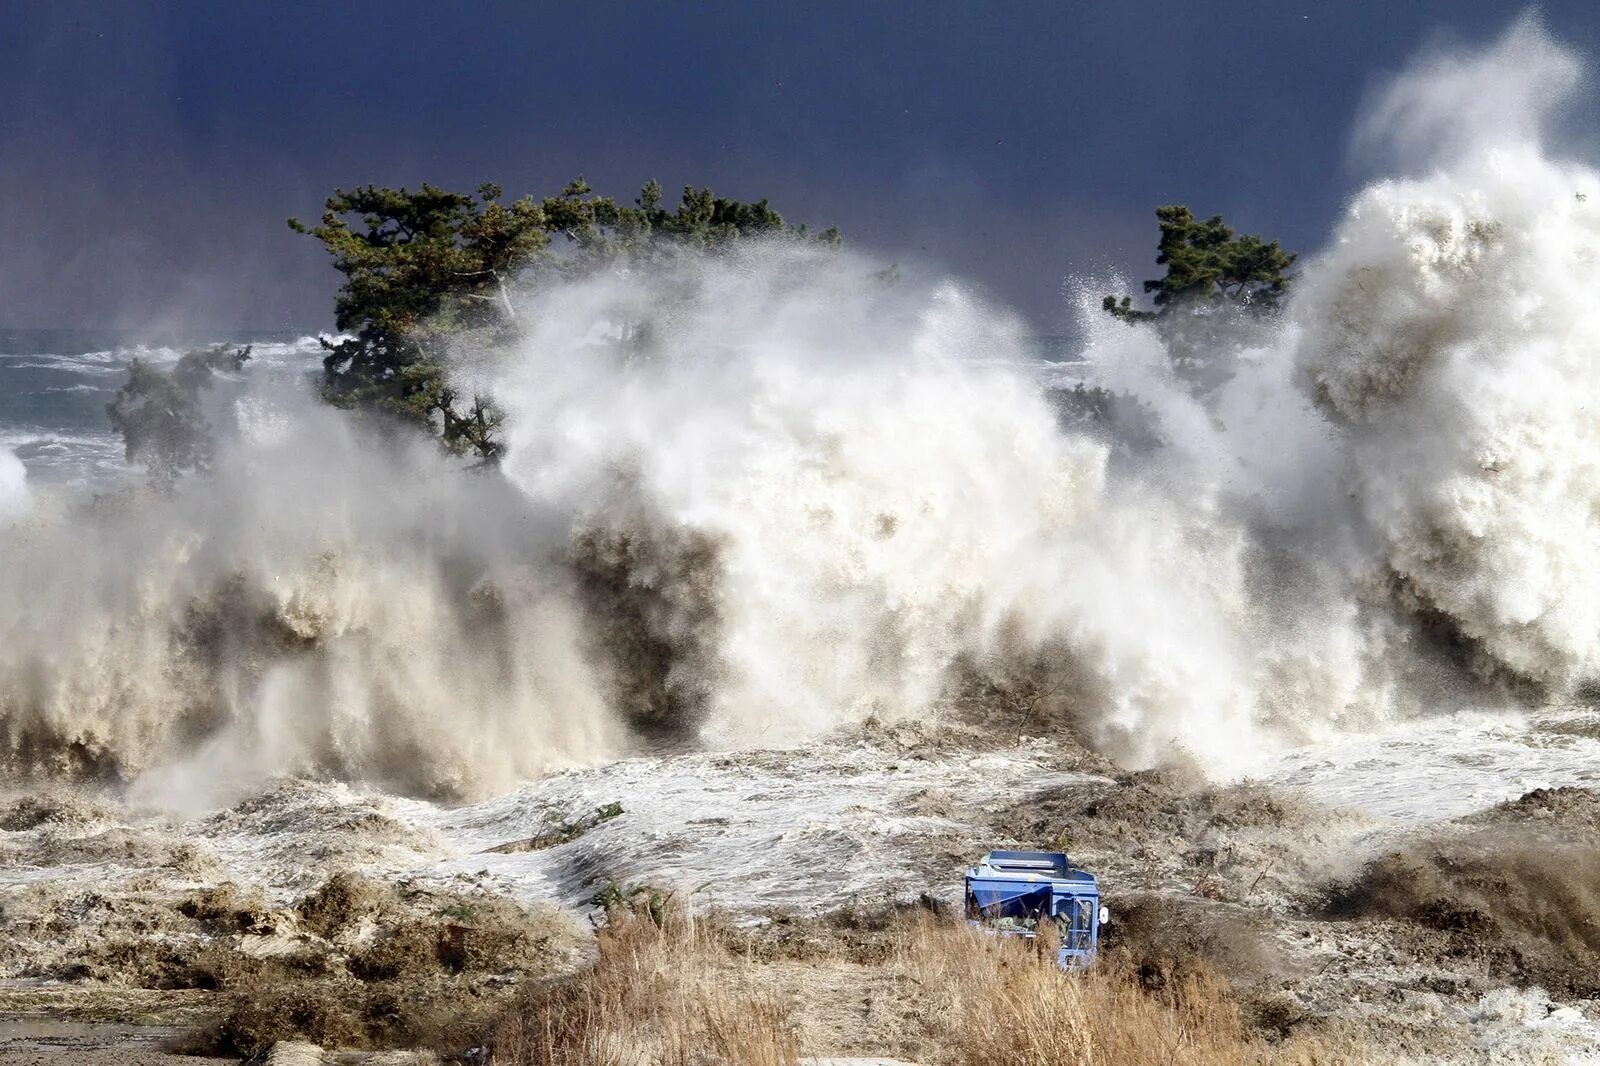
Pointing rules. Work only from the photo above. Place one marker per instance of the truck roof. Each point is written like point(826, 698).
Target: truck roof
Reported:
point(1033, 866)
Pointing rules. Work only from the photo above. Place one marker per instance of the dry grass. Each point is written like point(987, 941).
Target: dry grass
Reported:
point(676, 994)
point(664, 991)
point(994, 1000)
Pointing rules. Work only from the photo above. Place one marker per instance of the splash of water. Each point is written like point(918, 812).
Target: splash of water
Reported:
point(14, 494)
point(837, 499)
point(1451, 332)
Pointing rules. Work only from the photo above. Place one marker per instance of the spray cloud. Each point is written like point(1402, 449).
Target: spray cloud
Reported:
point(14, 495)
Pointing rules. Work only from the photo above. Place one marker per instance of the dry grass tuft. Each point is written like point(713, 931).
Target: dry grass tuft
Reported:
point(665, 991)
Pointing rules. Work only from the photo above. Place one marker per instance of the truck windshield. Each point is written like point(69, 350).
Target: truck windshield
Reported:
point(1016, 914)
point(1074, 921)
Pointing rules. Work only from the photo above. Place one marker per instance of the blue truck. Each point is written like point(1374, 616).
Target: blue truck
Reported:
point(1015, 893)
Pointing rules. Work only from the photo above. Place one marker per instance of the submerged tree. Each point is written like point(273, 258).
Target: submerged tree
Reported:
point(423, 267)
point(1208, 266)
point(1214, 280)
point(1122, 420)
point(159, 413)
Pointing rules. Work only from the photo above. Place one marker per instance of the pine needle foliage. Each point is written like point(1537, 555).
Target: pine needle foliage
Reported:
point(423, 267)
point(1208, 265)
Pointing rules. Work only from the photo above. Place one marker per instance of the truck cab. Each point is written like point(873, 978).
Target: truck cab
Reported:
point(1016, 893)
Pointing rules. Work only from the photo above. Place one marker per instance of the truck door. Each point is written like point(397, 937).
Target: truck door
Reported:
point(1075, 920)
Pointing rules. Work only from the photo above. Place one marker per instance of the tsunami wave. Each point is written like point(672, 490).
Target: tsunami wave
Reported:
point(801, 496)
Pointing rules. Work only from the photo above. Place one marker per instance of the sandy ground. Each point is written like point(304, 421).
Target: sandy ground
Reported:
point(1436, 938)
point(36, 1041)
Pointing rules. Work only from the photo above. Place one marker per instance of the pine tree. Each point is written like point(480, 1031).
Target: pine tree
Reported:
point(423, 267)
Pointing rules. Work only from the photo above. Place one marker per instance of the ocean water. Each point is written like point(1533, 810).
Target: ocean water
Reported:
point(55, 385)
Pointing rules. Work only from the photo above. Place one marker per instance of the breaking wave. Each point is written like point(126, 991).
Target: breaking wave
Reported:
point(1451, 333)
point(752, 497)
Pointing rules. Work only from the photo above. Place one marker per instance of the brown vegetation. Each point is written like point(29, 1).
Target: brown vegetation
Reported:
point(664, 990)
point(681, 991)
point(993, 1001)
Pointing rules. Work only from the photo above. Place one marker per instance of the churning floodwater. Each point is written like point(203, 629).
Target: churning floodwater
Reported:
point(54, 385)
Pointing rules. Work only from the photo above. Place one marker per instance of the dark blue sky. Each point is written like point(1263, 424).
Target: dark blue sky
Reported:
point(150, 152)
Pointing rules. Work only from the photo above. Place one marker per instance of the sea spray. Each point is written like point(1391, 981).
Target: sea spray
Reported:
point(803, 499)
point(1452, 333)
point(320, 603)
point(14, 494)
point(839, 497)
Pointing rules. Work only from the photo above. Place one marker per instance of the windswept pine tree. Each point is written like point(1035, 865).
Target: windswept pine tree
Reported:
point(1209, 266)
point(1214, 280)
point(423, 267)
